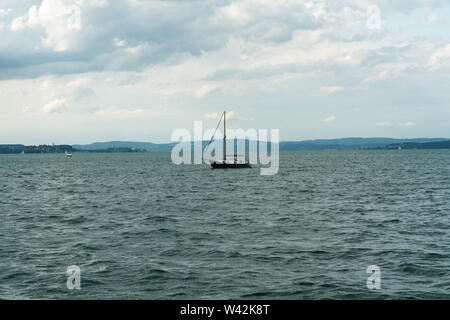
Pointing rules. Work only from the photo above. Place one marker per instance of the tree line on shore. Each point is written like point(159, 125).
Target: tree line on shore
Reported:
point(19, 148)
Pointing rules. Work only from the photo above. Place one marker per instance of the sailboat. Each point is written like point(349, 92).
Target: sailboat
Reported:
point(235, 163)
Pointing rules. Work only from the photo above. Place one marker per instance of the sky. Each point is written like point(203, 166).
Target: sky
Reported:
point(80, 71)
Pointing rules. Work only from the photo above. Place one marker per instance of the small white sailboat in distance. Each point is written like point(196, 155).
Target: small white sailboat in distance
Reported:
point(68, 155)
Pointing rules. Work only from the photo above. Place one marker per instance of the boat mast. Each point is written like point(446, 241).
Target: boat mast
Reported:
point(224, 136)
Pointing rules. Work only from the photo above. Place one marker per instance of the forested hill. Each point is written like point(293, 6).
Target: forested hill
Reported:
point(427, 145)
point(323, 144)
point(19, 148)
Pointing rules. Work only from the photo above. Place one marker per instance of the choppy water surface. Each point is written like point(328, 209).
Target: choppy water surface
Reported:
point(140, 227)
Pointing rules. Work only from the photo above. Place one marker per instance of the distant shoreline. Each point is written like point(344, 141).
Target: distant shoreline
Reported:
point(45, 149)
point(307, 145)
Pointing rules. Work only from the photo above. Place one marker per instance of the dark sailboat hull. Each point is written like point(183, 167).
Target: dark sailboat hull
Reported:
point(225, 164)
point(216, 165)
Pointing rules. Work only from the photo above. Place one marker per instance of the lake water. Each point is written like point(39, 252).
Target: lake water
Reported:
point(140, 227)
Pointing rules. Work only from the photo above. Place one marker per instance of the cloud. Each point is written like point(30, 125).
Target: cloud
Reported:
point(46, 84)
point(440, 58)
point(114, 111)
point(401, 124)
point(329, 119)
point(117, 112)
point(231, 115)
point(25, 109)
point(330, 90)
point(213, 115)
point(407, 124)
point(79, 88)
point(120, 43)
point(78, 36)
point(55, 106)
point(204, 90)
point(60, 21)
point(216, 115)
point(4, 12)
point(433, 18)
point(382, 75)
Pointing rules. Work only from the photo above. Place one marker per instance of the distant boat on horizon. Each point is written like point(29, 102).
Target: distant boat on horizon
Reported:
point(68, 155)
point(235, 163)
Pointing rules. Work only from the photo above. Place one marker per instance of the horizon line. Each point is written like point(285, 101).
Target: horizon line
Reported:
point(162, 143)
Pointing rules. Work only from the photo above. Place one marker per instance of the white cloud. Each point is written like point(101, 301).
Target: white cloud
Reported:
point(213, 115)
point(74, 89)
point(378, 77)
point(114, 111)
point(270, 37)
point(78, 82)
point(329, 119)
point(204, 90)
point(234, 13)
point(46, 84)
point(60, 19)
point(118, 112)
point(230, 115)
point(119, 43)
point(216, 115)
point(433, 18)
point(55, 106)
point(390, 71)
point(407, 124)
point(330, 90)
point(384, 124)
point(4, 12)
point(440, 58)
